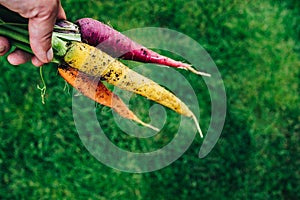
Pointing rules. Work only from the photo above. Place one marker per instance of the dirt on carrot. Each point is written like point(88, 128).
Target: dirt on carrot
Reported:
point(97, 63)
point(94, 89)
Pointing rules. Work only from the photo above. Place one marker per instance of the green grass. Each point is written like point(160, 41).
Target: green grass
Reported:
point(255, 45)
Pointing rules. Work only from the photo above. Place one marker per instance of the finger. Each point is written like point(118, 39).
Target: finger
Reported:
point(36, 62)
point(40, 33)
point(4, 46)
point(18, 57)
point(61, 13)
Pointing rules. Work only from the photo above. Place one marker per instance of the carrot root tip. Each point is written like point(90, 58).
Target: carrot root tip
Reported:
point(197, 125)
point(147, 125)
point(190, 68)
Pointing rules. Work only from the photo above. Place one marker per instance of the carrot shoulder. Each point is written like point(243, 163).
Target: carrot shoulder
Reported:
point(94, 89)
point(95, 62)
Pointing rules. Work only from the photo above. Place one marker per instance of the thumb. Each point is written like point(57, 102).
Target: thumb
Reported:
point(40, 34)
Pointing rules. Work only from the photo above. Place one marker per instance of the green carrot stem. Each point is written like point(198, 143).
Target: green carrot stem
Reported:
point(59, 46)
point(5, 31)
point(21, 45)
point(20, 28)
point(68, 36)
point(21, 41)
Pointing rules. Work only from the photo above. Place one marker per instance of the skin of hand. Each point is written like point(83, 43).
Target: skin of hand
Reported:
point(42, 15)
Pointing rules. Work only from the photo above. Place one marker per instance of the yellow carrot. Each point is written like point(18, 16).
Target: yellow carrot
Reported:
point(94, 89)
point(95, 62)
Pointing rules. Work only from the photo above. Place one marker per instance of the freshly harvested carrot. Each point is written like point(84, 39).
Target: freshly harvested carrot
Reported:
point(97, 63)
point(94, 62)
point(116, 44)
point(94, 89)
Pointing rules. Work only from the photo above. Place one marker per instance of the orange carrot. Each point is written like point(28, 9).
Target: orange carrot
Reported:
point(94, 89)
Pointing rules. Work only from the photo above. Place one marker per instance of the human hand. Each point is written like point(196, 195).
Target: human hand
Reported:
point(42, 15)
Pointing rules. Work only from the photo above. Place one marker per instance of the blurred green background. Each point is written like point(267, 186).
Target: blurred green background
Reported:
point(256, 47)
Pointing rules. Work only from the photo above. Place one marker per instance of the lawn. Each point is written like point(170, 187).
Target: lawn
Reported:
point(254, 44)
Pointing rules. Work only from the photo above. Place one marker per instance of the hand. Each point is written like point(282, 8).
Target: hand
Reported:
point(42, 15)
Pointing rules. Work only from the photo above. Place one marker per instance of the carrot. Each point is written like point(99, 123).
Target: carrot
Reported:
point(97, 63)
point(116, 44)
point(94, 62)
point(94, 89)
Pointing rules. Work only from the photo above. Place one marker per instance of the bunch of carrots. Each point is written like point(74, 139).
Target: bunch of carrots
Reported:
point(88, 51)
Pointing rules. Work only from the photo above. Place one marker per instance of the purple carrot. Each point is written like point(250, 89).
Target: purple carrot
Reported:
point(116, 44)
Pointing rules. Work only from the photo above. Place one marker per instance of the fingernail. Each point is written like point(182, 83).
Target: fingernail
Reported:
point(50, 54)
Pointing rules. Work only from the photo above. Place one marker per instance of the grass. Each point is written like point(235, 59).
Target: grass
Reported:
point(255, 45)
